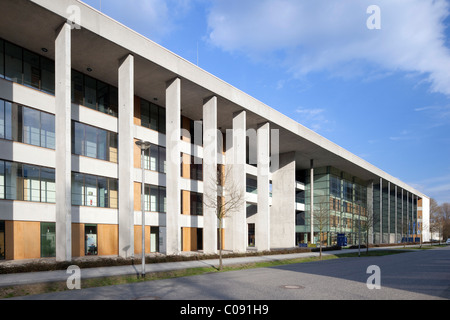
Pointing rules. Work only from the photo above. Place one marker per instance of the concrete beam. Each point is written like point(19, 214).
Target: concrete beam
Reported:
point(63, 143)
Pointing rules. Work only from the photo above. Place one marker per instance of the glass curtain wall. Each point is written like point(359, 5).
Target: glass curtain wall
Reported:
point(26, 125)
point(27, 182)
point(94, 191)
point(25, 67)
point(340, 200)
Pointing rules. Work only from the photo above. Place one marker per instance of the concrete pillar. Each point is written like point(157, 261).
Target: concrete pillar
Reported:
point(389, 214)
point(396, 213)
point(63, 150)
point(126, 148)
point(282, 214)
point(210, 174)
point(173, 175)
point(380, 240)
point(370, 209)
point(262, 225)
point(311, 199)
point(236, 230)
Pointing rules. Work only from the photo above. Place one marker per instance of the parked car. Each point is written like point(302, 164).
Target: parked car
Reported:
point(448, 241)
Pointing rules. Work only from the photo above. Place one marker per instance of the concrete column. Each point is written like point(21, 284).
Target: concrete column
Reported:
point(311, 199)
point(236, 230)
point(282, 214)
point(173, 175)
point(395, 223)
point(389, 214)
point(63, 150)
point(126, 148)
point(210, 174)
point(380, 240)
point(370, 208)
point(262, 225)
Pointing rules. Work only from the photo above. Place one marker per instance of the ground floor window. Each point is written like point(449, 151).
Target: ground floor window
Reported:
point(251, 234)
point(2, 240)
point(90, 234)
point(48, 239)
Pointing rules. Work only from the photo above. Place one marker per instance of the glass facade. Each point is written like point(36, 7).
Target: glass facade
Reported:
point(340, 200)
point(94, 94)
point(26, 182)
point(153, 116)
point(93, 142)
point(94, 191)
point(155, 199)
point(25, 67)
point(155, 158)
point(26, 125)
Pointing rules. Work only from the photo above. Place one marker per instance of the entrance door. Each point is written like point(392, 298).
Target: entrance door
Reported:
point(154, 239)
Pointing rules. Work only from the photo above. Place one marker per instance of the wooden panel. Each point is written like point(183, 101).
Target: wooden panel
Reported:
point(186, 166)
point(189, 239)
point(137, 196)
point(185, 124)
point(9, 239)
point(186, 202)
point(136, 155)
point(138, 239)
point(108, 239)
point(23, 240)
point(77, 239)
point(137, 110)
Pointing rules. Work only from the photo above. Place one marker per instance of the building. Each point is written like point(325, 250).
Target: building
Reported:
point(78, 90)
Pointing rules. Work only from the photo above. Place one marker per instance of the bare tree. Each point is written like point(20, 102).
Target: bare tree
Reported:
point(367, 223)
point(321, 218)
point(229, 198)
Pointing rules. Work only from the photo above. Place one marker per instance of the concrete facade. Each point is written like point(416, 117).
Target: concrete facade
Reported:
point(160, 97)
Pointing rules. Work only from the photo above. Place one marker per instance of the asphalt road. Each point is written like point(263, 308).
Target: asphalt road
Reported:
point(418, 275)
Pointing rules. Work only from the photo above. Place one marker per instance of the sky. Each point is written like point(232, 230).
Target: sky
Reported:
point(372, 76)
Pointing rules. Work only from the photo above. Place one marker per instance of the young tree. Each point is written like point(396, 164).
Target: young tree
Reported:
point(229, 198)
point(321, 218)
point(367, 223)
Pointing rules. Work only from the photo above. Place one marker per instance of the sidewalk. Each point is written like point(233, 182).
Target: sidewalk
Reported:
point(87, 273)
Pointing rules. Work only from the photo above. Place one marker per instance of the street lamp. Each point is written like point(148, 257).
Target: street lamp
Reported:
point(143, 145)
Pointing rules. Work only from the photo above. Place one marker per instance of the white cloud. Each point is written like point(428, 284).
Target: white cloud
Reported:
point(313, 118)
point(332, 36)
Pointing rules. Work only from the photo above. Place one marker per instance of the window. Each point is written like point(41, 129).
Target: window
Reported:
point(155, 158)
point(153, 116)
point(31, 183)
point(47, 75)
point(31, 126)
point(48, 131)
point(90, 92)
point(77, 87)
point(94, 142)
point(13, 62)
point(26, 125)
point(25, 67)
point(2, 58)
point(48, 186)
point(94, 191)
point(2, 240)
point(26, 182)
point(31, 69)
point(196, 204)
point(155, 199)
point(90, 233)
point(300, 218)
point(251, 234)
point(48, 239)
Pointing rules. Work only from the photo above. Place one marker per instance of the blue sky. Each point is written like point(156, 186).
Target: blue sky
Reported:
point(383, 94)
